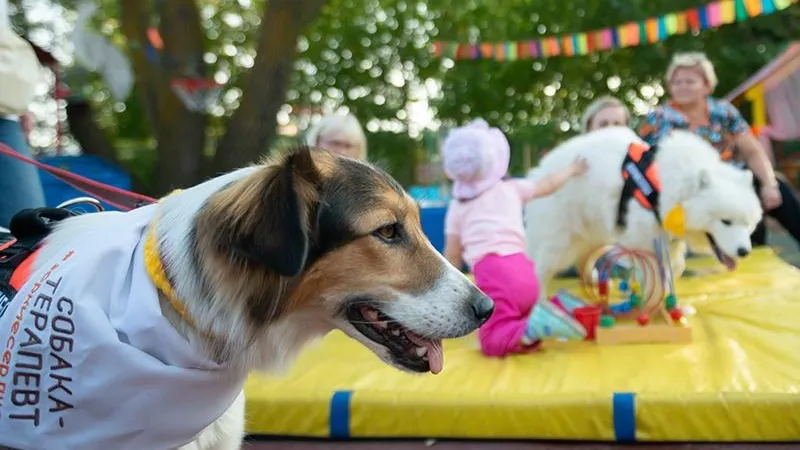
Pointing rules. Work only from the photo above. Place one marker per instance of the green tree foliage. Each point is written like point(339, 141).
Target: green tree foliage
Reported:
point(373, 58)
point(555, 90)
point(202, 39)
point(367, 55)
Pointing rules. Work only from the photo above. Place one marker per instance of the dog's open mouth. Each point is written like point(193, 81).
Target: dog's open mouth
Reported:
point(407, 348)
point(730, 263)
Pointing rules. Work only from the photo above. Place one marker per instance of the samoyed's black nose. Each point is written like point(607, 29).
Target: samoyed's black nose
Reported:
point(742, 252)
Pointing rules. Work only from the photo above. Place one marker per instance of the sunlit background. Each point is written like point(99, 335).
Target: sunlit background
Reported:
point(374, 58)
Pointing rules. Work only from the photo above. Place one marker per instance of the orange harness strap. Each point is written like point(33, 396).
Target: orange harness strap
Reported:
point(16, 263)
point(642, 182)
point(23, 271)
point(19, 248)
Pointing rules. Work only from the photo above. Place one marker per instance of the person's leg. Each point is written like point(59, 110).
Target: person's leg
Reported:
point(20, 187)
point(520, 322)
point(514, 295)
point(759, 236)
point(788, 213)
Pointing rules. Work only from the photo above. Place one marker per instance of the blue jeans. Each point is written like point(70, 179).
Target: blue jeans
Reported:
point(20, 187)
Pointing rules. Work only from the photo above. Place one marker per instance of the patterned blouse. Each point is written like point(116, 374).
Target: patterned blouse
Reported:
point(723, 126)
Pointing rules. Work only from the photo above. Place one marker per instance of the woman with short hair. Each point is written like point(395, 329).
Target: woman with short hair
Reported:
point(339, 133)
point(690, 82)
point(606, 111)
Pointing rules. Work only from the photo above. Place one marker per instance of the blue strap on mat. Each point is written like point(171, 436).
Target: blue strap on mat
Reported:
point(339, 421)
point(623, 403)
point(624, 410)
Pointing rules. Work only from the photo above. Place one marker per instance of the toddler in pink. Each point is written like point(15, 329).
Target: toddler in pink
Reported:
point(484, 229)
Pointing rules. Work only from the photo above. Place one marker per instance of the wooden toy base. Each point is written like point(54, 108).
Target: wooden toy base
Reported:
point(637, 334)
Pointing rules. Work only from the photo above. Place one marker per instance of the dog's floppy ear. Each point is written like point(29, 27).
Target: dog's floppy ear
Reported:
point(280, 239)
point(269, 218)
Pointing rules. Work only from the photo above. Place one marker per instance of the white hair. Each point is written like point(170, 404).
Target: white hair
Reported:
point(345, 125)
point(693, 60)
point(599, 105)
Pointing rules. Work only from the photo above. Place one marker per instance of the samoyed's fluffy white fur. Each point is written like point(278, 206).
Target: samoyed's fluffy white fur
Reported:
point(721, 206)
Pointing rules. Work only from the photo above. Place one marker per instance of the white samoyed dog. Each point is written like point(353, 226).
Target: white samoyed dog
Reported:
point(721, 208)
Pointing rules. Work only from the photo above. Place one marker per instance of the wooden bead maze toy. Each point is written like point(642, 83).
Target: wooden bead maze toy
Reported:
point(648, 311)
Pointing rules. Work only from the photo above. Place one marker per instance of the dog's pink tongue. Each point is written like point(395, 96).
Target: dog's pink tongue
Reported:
point(435, 356)
point(435, 353)
point(729, 262)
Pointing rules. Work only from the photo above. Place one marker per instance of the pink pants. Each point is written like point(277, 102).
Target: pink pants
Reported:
point(511, 282)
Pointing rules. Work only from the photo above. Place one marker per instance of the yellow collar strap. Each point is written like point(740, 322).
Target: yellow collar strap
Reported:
point(158, 276)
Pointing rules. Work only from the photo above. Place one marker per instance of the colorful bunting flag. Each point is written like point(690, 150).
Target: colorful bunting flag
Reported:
point(648, 31)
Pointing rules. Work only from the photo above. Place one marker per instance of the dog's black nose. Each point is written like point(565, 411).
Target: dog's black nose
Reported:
point(482, 306)
point(742, 252)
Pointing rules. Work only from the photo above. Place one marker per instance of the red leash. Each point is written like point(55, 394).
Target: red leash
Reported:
point(116, 197)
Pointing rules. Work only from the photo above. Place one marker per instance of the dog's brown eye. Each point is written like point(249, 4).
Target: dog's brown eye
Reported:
point(388, 232)
point(727, 222)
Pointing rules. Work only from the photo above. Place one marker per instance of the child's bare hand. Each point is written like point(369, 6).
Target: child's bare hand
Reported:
point(580, 166)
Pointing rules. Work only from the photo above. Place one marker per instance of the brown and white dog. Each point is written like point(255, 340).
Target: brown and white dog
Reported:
point(265, 259)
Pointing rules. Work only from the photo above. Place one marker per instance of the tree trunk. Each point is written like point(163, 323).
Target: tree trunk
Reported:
point(180, 133)
point(253, 125)
point(87, 133)
point(93, 140)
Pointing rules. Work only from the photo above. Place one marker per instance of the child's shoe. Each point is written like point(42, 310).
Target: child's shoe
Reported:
point(549, 321)
point(568, 301)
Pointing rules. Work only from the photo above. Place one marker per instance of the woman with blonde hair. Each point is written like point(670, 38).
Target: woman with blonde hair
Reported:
point(690, 81)
point(605, 111)
point(339, 133)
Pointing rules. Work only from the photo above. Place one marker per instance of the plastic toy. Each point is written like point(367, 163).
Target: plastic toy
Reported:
point(646, 309)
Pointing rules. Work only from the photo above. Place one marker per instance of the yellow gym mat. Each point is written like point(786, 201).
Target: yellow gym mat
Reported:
point(737, 381)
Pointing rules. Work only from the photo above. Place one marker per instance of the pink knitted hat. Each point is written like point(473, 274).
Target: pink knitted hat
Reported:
point(476, 158)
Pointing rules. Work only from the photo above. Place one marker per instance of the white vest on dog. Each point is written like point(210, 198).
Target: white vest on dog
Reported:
point(87, 361)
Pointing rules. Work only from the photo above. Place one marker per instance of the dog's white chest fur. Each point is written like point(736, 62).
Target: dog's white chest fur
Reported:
point(85, 342)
